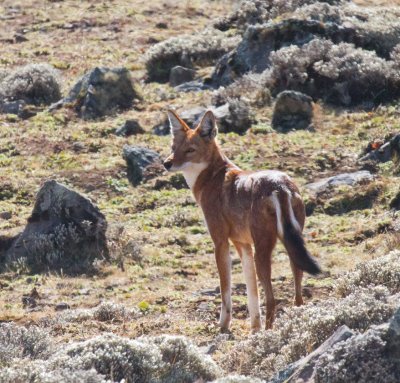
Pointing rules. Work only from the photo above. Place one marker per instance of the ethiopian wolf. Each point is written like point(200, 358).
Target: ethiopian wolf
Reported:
point(248, 208)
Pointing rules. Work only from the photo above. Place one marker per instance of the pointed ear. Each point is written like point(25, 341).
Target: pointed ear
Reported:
point(177, 124)
point(208, 127)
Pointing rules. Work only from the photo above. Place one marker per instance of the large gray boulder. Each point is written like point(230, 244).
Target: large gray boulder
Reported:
point(252, 54)
point(100, 92)
point(349, 179)
point(65, 231)
point(141, 163)
point(393, 336)
point(270, 26)
point(292, 111)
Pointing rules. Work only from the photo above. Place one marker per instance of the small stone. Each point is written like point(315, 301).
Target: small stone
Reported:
point(138, 159)
point(180, 75)
point(62, 306)
point(19, 38)
point(12, 107)
point(192, 86)
point(6, 215)
point(129, 128)
point(162, 25)
point(292, 111)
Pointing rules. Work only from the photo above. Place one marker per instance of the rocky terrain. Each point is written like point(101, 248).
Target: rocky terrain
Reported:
point(106, 268)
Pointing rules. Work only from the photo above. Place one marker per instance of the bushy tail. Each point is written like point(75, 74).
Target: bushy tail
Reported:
point(296, 248)
point(292, 238)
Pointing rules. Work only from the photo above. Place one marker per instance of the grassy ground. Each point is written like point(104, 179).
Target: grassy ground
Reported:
point(171, 277)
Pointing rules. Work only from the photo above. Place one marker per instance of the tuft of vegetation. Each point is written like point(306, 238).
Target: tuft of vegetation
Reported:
point(17, 342)
point(337, 73)
point(188, 50)
point(301, 329)
point(361, 358)
point(34, 83)
point(147, 359)
point(381, 271)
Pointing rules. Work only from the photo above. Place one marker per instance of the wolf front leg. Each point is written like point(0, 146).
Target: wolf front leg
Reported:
point(223, 260)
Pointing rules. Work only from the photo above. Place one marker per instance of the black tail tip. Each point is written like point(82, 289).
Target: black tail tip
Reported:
point(313, 268)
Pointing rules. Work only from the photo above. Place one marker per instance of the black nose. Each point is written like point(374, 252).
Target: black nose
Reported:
point(167, 164)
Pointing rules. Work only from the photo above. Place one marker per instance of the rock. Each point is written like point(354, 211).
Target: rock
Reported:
point(380, 151)
point(179, 75)
point(162, 25)
point(350, 179)
point(393, 335)
point(12, 107)
point(62, 306)
point(395, 202)
point(202, 48)
point(20, 108)
point(65, 231)
point(100, 92)
point(292, 111)
point(130, 128)
point(304, 368)
point(192, 86)
point(162, 129)
point(234, 116)
point(20, 38)
point(190, 116)
point(252, 53)
point(6, 215)
point(138, 160)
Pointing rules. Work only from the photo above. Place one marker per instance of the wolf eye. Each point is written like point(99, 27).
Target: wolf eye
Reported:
point(190, 150)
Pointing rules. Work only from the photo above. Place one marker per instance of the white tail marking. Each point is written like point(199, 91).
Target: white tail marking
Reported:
point(278, 210)
point(293, 219)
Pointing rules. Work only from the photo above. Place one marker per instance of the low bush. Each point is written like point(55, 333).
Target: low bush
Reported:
point(34, 83)
point(202, 49)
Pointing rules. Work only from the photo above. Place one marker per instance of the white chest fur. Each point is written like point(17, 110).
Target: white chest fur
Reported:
point(192, 171)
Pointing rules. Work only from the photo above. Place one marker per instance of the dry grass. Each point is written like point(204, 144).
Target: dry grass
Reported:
point(170, 283)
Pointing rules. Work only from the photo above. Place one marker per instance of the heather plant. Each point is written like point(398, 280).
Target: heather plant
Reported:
point(108, 311)
point(251, 12)
point(183, 360)
point(238, 379)
point(3, 74)
point(18, 342)
point(301, 329)
point(239, 118)
point(339, 73)
point(383, 271)
point(361, 358)
point(34, 83)
point(202, 49)
point(34, 371)
point(247, 87)
point(159, 359)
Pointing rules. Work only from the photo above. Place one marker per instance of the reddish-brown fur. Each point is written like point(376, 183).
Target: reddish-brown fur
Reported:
point(241, 207)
